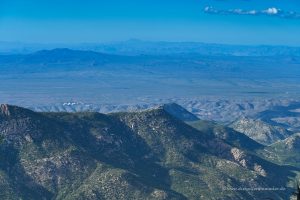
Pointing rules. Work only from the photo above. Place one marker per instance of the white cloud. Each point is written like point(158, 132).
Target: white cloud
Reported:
point(272, 11)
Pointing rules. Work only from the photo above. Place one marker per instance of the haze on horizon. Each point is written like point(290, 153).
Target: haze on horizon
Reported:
point(228, 22)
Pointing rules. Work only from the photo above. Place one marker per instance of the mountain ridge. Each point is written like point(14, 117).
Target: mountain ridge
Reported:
point(139, 155)
point(260, 131)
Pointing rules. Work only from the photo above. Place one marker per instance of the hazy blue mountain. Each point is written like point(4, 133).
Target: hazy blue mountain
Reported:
point(137, 47)
point(56, 60)
point(59, 75)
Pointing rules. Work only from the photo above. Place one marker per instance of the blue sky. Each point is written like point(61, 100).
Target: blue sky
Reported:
point(214, 21)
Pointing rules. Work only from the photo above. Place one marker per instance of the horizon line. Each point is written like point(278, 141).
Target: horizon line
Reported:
point(146, 41)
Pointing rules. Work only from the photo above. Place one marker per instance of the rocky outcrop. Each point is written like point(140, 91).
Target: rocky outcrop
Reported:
point(4, 110)
point(247, 161)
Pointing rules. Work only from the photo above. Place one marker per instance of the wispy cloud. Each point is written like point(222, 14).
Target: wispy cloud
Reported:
point(276, 12)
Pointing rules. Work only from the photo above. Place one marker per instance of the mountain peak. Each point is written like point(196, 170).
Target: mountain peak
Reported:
point(9, 111)
point(179, 112)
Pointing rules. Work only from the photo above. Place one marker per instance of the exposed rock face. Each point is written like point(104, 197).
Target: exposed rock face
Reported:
point(247, 161)
point(239, 156)
point(158, 194)
point(293, 142)
point(260, 131)
point(4, 110)
point(259, 170)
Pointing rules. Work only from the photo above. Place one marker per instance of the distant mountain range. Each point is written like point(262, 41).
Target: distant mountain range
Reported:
point(138, 47)
point(150, 154)
point(59, 75)
point(214, 66)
